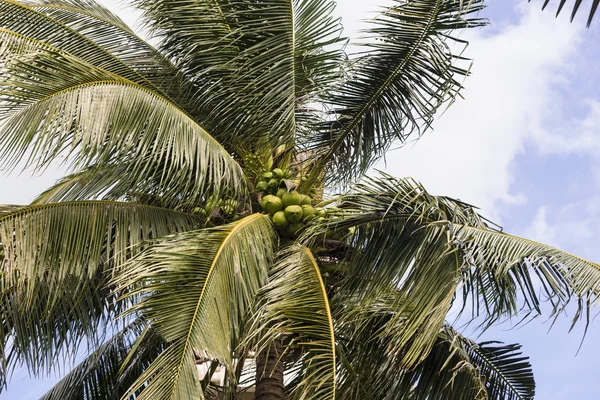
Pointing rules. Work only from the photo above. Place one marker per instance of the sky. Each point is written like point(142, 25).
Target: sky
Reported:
point(523, 145)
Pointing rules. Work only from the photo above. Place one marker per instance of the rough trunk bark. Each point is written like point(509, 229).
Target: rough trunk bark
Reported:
point(269, 373)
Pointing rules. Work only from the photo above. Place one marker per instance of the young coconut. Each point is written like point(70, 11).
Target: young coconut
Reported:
point(277, 173)
point(293, 213)
point(264, 201)
point(279, 219)
point(273, 205)
point(308, 212)
point(281, 192)
point(305, 200)
point(291, 199)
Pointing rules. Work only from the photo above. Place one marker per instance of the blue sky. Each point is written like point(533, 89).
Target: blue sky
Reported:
point(524, 145)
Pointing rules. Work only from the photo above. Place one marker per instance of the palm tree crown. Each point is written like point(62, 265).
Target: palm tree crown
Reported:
point(197, 248)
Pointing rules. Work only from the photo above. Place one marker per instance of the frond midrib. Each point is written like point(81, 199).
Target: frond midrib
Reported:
point(124, 82)
point(315, 265)
point(235, 229)
point(85, 38)
point(531, 242)
point(383, 86)
point(37, 207)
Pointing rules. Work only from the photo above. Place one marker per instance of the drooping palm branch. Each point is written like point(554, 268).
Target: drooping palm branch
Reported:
point(157, 138)
point(576, 7)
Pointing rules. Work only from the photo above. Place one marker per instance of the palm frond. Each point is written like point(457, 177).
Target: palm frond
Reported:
point(296, 303)
point(268, 58)
point(406, 73)
point(109, 32)
point(497, 266)
point(104, 181)
point(501, 275)
point(54, 241)
point(18, 17)
point(399, 239)
point(44, 325)
point(459, 368)
point(109, 370)
point(47, 248)
point(50, 102)
point(455, 368)
point(196, 288)
point(576, 7)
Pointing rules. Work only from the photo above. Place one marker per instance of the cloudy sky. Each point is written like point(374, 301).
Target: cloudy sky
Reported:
point(523, 145)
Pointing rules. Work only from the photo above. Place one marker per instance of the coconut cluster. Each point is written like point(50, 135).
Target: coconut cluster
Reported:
point(272, 181)
point(290, 210)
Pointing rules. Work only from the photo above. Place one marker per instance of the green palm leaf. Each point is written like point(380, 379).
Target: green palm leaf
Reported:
point(497, 264)
point(44, 325)
point(400, 240)
point(458, 368)
point(76, 245)
point(407, 73)
point(107, 182)
point(110, 33)
point(495, 268)
point(197, 289)
point(108, 371)
point(19, 18)
point(576, 7)
point(54, 241)
point(455, 368)
point(296, 302)
point(269, 58)
point(50, 103)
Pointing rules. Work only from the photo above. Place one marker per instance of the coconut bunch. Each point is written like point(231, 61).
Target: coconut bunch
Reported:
point(272, 181)
point(218, 209)
point(290, 211)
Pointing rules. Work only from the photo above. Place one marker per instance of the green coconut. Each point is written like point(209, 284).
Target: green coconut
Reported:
point(291, 198)
point(281, 192)
point(277, 173)
point(294, 228)
point(320, 212)
point(268, 175)
point(262, 186)
point(273, 182)
point(306, 200)
point(273, 205)
point(265, 199)
point(293, 213)
point(279, 219)
point(307, 212)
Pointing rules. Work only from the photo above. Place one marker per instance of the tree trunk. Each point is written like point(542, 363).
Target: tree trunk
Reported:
point(269, 373)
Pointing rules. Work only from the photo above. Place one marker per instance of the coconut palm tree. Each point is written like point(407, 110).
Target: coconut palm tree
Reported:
point(197, 249)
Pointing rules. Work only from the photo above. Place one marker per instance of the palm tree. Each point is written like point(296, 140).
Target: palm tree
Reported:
point(197, 250)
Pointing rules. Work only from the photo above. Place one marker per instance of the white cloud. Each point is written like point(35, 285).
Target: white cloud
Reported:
point(510, 94)
point(540, 229)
